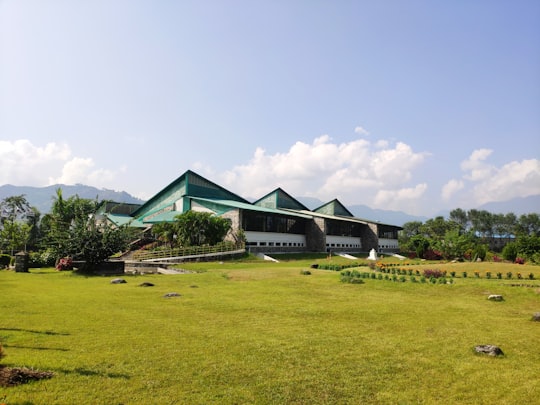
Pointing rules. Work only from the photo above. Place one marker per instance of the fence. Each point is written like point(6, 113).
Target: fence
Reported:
point(163, 252)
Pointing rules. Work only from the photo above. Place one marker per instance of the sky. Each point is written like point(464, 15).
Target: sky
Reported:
point(409, 105)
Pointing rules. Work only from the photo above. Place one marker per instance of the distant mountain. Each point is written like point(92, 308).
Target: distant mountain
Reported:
point(519, 206)
point(42, 197)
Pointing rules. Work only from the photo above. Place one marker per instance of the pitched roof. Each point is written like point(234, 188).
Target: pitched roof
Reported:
point(188, 184)
point(280, 199)
point(334, 207)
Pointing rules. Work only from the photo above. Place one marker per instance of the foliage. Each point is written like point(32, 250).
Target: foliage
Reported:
point(433, 273)
point(201, 228)
point(15, 235)
point(527, 246)
point(5, 259)
point(510, 251)
point(45, 258)
point(73, 231)
point(14, 207)
point(65, 263)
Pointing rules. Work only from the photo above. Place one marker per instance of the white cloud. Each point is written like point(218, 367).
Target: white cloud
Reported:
point(361, 131)
point(514, 179)
point(352, 171)
point(483, 182)
point(478, 170)
point(22, 163)
point(400, 199)
point(450, 188)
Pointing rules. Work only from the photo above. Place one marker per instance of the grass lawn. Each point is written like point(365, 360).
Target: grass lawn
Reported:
point(261, 333)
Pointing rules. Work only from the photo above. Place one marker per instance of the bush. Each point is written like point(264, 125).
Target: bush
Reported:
point(41, 259)
point(519, 260)
point(4, 260)
point(428, 273)
point(65, 263)
point(510, 252)
point(305, 272)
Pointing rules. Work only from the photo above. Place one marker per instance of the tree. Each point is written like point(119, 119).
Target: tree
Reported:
point(459, 216)
point(58, 224)
point(455, 244)
point(200, 228)
point(528, 224)
point(73, 231)
point(166, 232)
point(15, 235)
point(13, 207)
point(93, 243)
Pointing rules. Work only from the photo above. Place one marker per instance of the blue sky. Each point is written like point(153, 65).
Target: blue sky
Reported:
point(417, 106)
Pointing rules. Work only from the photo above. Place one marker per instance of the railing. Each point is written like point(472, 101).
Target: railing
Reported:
point(163, 252)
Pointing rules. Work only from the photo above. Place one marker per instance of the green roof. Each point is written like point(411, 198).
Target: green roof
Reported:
point(280, 199)
point(251, 207)
point(120, 220)
point(334, 207)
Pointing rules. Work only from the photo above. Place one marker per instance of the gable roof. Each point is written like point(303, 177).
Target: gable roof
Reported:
point(188, 184)
point(280, 199)
point(335, 208)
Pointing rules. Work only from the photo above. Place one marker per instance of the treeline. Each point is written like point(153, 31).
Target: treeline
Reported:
point(72, 229)
point(473, 235)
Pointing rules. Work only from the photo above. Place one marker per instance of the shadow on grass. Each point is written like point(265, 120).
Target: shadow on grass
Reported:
point(92, 373)
point(41, 332)
point(36, 348)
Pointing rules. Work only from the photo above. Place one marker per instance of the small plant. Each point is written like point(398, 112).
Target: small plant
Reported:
point(452, 274)
point(497, 259)
point(499, 275)
point(519, 260)
point(531, 276)
point(402, 278)
point(477, 274)
point(428, 273)
point(2, 352)
point(464, 274)
point(422, 279)
point(413, 279)
point(488, 274)
point(519, 276)
point(305, 272)
point(509, 275)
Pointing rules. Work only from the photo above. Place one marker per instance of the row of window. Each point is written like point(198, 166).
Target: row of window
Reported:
point(284, 244)
point(342, 245)
point(259, 222)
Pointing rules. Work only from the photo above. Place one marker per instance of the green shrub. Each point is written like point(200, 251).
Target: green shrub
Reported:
point(510, 251)
point(5, 260)
point(305, 272)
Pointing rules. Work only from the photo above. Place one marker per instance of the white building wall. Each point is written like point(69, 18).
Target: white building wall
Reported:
point(275, 239)
point(388, 244)
point(343, 242)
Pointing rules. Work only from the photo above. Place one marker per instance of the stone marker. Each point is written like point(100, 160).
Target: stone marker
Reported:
point(172, 294)
point(146, 284)
point(118, 281)
point(490, 350)
point(495, 297)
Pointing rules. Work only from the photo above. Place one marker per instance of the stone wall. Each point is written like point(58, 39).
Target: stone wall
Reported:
point(315, 235)
point(369, 237)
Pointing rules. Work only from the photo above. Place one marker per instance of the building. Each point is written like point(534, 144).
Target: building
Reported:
point(276, 222)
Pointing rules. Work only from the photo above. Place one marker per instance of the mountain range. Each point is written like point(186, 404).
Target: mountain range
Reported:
point(42, 198)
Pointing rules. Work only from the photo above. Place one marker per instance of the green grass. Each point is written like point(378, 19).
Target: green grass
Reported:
point(260, 332)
